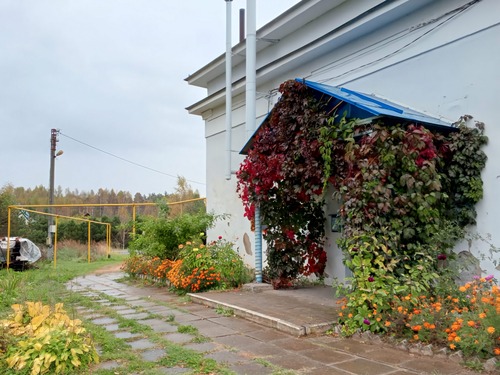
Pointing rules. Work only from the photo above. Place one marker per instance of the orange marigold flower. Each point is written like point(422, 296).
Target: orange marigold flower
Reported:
point(387, 323)
point(452, 346)
point(490, 330)
point(341, 314)
point(416, 328)
point(496, 351)
point(462, 289)
point(457, 339)
point(415, 337)
point(471, 323)
point(349, 316)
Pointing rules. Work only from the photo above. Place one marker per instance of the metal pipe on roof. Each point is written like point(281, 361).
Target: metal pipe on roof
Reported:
point(251, 56)
point(251, 98)
point(229, 102)
point(242, 25)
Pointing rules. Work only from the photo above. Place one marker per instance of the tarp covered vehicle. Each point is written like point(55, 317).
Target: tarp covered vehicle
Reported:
point(22, 253)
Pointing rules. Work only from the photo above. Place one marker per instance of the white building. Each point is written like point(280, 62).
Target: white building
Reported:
point(440, 57)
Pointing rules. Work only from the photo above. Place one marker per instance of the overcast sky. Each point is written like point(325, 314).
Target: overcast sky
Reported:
point(109, 74)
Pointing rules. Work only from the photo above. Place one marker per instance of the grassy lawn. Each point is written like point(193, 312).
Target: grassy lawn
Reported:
point(47, 285)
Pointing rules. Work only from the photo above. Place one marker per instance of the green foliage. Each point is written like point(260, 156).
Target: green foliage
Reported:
point(45, 341)
point(283, 175)
point(197, 268)
point(9, 287)
point(397, 191)
point(160, 237)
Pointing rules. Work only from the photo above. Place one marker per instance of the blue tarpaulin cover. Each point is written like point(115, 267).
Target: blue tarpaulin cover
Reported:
point(360, 105)
point(357, 105)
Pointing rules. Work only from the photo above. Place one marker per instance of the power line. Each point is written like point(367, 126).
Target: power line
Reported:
point(126, 160)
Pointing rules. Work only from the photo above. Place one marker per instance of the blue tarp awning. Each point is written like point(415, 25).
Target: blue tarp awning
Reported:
point(361, 106)
point(357, 105)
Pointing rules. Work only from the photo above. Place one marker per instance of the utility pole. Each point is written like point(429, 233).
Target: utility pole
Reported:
point(53, 155)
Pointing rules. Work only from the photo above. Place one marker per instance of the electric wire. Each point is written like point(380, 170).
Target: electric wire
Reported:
point(126, 160)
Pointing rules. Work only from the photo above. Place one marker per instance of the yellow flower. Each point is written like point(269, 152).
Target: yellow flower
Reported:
point(490, 330)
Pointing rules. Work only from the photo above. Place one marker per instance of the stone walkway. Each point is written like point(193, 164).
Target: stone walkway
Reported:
point(245, 347)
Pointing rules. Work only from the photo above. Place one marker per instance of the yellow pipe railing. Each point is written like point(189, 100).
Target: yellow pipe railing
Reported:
point(108, 230)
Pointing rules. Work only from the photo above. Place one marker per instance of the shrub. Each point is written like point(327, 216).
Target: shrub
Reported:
point(45, 340)
point(160, 237)
point(198, 267)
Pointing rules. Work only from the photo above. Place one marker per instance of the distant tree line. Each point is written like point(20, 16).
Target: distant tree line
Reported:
point(34, 226)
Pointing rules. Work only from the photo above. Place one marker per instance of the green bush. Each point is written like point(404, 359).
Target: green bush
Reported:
point(160, 237)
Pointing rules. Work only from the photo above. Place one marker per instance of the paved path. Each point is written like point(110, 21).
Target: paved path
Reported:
point(244, 346)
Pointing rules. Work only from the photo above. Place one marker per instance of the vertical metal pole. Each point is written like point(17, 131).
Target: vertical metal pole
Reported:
point(251, 75)
point(133, 221)
point(258, 246)
point(229, 94)
point(88, 242)
point(55, 244)
point(251, 97)
point(108, 240)
point(8, 237)
point(53, 141)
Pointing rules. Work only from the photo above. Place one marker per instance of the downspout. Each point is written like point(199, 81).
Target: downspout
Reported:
point(251, 117)
point(229, 103)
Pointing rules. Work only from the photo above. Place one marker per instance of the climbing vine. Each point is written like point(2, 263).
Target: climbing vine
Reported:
point(406, 194)
point(283, 174)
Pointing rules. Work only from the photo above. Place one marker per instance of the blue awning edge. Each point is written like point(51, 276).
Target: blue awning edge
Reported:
point(361, 106)
point(368, 105)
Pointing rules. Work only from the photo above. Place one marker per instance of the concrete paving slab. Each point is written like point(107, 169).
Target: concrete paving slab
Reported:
point(173, 370)
point(211, 329)
point(361, 366)
point(236, 323)
point(136, 316)
point(126, 311)
point(238, 341)
point(159, 325)
point(325, 371)
point(178, 338)
point(203, 347)
point(185, 318)
point(263, 350)
point(108, 365)
point(327, 355)
point(112, 327)
point(153, 355)
point(294, 362)
point(225, 356)
point(267, 334)
point(141, 344)
point(427, 365)
point(126, 335)
point(294, 344)
point(250, 368)
point(104, 321)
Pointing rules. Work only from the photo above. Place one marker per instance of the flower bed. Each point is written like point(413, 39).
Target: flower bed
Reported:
point(468, 320)
point(198, 267)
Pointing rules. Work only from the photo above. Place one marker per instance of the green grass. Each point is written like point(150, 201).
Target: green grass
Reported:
point(47, 285)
